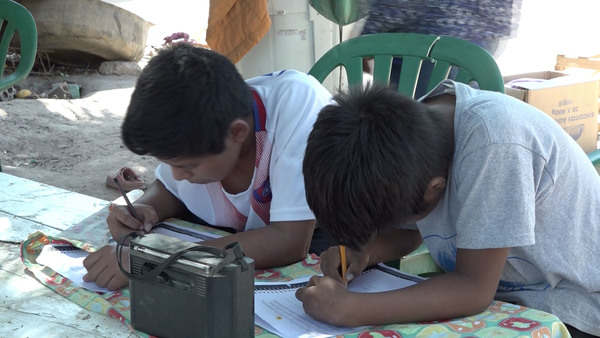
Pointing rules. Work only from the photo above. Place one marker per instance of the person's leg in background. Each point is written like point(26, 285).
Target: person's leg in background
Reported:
point(320, 241)
point(494, 47)
point(575, 333)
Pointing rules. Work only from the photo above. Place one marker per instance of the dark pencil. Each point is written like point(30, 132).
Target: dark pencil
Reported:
point(129, 205)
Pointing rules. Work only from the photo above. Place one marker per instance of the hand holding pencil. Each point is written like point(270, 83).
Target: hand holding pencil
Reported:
point(125, 219)
point(342, 263)
point(130, 207)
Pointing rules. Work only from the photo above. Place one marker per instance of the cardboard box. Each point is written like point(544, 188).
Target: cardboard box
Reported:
point(563, 62)
point(570, 100)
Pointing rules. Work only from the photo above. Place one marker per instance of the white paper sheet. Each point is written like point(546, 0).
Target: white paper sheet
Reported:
point(67, 260)
point(277, 306)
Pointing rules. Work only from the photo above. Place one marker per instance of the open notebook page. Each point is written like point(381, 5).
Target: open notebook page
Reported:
point(277, 309)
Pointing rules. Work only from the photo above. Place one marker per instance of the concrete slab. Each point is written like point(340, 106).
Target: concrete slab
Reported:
point(27, 206)
point(29, 309)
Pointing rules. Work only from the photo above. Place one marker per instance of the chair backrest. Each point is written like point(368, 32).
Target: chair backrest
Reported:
point(594, 156)
point(14, 18)
point(474, 63)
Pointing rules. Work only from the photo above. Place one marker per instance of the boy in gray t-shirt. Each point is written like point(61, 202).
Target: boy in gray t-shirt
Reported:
point(506, 201)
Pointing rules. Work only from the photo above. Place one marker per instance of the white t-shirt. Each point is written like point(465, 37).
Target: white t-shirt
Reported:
point(518, 180)
point(291, 102)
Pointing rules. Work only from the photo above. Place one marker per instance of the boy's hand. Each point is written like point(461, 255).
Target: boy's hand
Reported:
point(330, 263)
point(103, 268)
point(325, 300)
point(120, 221)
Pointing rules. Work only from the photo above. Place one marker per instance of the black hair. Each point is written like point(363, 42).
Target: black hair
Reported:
point(183, 104)
point(368, 162)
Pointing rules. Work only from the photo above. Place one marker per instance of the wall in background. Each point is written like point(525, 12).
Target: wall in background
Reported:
point(547, 28)
point(551, 27)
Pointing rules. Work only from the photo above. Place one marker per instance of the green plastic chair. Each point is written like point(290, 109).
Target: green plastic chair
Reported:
point(17, 19)
point(14, 18)
point(594, 156)
point(474, 63)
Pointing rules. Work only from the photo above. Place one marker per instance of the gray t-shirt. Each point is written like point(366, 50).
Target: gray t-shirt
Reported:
point(518, 180)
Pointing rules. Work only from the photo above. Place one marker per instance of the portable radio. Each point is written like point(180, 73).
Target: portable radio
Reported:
point(182, 289)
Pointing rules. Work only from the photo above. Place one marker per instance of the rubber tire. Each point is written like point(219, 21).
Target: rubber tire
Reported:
point(87, 32)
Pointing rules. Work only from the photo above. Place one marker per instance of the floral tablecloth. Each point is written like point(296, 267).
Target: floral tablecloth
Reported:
point(501, 320)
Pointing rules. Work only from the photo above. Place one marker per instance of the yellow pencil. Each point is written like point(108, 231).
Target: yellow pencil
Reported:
point(343, 262)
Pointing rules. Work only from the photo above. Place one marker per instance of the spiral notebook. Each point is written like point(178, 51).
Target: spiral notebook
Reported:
point(67, 260)
point(277, 309)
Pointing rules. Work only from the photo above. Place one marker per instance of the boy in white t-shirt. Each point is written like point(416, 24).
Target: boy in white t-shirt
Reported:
point(231, 153)
point(505, 200)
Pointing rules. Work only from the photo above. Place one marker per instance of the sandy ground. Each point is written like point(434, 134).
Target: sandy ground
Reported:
point(71, 144)
point(74, 144)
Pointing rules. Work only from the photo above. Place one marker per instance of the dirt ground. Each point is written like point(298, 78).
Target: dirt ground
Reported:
point(71, 144)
